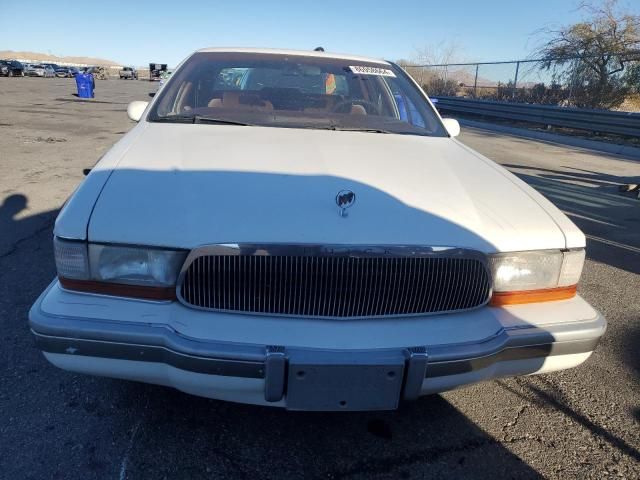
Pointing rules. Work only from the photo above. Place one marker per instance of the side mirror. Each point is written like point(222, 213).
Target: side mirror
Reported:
point(136, 109)
point(452, 126)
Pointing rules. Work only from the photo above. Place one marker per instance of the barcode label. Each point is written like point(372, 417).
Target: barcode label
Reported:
point(362, 70)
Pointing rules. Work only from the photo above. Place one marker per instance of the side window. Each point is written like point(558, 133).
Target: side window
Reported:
point(406, 108)
point(414, 115)
point(377, 92)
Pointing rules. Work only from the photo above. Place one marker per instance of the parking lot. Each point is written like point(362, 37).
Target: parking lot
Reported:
point(580, 423)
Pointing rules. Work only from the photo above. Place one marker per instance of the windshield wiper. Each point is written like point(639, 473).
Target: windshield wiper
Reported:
point(198, 119)
point(351, 129)
point(218, 121)
point(174, 119)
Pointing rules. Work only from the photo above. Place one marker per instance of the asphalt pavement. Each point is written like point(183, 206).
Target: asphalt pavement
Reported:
point(580, 423)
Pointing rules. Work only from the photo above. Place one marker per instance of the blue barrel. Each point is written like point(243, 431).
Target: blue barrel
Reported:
point(85, 84)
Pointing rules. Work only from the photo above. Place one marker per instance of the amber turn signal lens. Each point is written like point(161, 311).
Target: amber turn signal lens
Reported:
point(533, 296)
point(119, 289)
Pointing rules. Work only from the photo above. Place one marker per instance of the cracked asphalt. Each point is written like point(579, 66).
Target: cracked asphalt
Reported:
point(580, 423)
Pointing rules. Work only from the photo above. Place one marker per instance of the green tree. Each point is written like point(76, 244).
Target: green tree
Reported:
point(594, 54)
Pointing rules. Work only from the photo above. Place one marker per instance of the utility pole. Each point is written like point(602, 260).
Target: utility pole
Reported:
point(475, 83)
point(515, 80)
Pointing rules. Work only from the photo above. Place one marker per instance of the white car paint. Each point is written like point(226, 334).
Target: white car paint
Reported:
point(360, 334)
point(184, 185)
point(472, 327)
point(203, 184)
point(251, 391)
point(283, 51)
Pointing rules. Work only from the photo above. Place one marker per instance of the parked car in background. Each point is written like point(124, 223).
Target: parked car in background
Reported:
point(279, 229)
point(52, 65)
point(128, 73)
point(28, 70)
point(40, 70)
point(11, 68)
point(66, 72)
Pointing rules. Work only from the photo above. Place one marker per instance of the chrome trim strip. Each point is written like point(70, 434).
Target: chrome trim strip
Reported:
point(329, 250)
point(160, 343)
point(129, 341)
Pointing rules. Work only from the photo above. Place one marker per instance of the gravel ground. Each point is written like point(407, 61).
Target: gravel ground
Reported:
point(581, 423)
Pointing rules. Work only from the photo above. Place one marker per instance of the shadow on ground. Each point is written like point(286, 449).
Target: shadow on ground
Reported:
point(551, 397)
point(89, 427)
point(428, 437)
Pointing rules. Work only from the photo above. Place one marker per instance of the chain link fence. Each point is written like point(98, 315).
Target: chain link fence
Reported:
point(522, 81)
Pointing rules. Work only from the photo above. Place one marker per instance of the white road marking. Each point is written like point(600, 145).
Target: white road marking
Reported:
point(584, 217)
point(125, 459)
point(631, 248)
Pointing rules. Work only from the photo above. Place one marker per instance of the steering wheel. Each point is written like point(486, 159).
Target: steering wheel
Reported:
point(356, 101)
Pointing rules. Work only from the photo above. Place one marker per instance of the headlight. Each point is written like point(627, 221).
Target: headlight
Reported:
point(525, 277)
point(138, 266)
point(118, 270)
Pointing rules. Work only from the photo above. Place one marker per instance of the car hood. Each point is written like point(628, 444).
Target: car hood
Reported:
point(183, 186)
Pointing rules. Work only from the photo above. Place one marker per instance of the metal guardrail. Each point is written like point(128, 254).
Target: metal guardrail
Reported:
point(602, 121)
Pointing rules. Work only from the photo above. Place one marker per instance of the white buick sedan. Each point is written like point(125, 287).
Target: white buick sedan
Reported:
point(301, 229)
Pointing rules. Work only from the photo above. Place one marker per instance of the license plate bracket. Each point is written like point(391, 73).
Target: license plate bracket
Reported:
point(332, 381)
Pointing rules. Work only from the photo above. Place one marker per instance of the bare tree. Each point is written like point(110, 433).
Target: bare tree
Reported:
point(412, 68)
point(434, 80)
point(593, 54)
point(438, 54)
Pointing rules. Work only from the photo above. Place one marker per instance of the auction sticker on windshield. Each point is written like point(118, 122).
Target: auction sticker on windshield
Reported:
point(363, 70)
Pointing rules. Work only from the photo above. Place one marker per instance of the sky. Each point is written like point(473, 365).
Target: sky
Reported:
point(138, 32)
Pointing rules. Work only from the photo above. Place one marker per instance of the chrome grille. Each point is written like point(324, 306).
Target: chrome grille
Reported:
point(329, 283)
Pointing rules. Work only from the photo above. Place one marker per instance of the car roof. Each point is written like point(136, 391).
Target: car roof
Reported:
point(306, 53)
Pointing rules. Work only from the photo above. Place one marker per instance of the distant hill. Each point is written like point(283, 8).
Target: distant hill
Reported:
point(43, 57)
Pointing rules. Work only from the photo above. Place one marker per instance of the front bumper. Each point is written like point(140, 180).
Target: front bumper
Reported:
point(332, 378)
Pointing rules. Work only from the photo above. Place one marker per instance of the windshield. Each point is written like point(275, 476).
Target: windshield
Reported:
point(295, 91)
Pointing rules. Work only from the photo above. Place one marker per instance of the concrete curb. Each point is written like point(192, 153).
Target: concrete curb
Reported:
point(623, 150)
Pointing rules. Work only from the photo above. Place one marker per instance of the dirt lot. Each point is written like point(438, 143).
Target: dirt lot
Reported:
point(581, 423)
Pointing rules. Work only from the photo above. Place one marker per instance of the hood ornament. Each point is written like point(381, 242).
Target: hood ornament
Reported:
point(345, 199)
